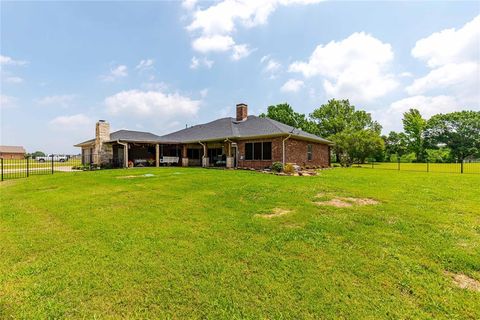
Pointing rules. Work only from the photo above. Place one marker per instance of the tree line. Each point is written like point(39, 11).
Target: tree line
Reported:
point(450, 137)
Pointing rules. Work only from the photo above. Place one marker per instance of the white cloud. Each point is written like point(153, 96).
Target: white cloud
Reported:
point(7, 101)
point(356, 67)
point(427, 105)
point(118, 72)
point(271, 66)
point(450, 45)
point(453, 55)
point(241, 51)
point(292, 85)
point(213, 26)
point(146, 104)
point(198, 62)
point(5, 60)
point(12, 79)
point(56, 100)
point(74, 122)
point(214, 43)
point(143, 65)
point(189, 4)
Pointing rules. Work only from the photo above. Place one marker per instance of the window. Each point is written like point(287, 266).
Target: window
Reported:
point(258, 151)
point(267, 151)
point(309, 152)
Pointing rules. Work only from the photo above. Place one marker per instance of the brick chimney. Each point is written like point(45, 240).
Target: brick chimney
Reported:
point(242, 112)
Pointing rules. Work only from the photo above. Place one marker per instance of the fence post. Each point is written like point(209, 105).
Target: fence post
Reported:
point(28, 167)
point(428, 167)
point(2, 168)
point(461, 167)
point(398, 159)
point(52, 163)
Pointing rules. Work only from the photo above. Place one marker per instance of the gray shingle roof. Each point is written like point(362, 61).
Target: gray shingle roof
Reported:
point(230, 128)
point(220, 129)
point(127, 135)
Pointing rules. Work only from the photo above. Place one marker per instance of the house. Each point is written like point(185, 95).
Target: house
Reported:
point(12, 152)
point(244, 141)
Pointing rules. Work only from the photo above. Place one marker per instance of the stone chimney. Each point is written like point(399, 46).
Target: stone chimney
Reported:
point(102, 132)
point(242, 112)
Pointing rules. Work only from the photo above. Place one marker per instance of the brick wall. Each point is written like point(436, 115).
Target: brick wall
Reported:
point(295, 152)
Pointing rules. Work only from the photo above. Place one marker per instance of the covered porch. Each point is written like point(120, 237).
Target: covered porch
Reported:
point(210, 154)
point(136, 154)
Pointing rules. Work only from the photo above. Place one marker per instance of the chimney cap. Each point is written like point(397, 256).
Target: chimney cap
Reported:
point(241, 104)
point(101, 121)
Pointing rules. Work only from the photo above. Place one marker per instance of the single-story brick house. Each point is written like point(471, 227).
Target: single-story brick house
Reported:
point(245, 141)
point(12, 152)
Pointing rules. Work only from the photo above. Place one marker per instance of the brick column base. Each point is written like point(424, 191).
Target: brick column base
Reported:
point(184, 162)
point(229, 163)
point(205, 162)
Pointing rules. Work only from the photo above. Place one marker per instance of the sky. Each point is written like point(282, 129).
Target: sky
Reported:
point(159, 66)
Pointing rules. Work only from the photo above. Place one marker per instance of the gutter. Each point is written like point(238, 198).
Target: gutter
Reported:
point(283, 148)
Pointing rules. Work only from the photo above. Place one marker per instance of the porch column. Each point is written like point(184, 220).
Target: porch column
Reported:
point(125, 155)
point(229, 159)
point(184, 156)
point(157, 155)
point(205, 160)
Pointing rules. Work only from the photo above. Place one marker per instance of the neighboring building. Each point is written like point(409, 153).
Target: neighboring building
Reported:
point(244, 141)
point(12, 152)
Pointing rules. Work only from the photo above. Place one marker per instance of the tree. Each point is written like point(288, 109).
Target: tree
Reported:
point(338, 115)
point(357, 146)
point(459, 131)
point(395, 144)
point(414, 126)
point(284, 113)
point(37, 154)
point(338, 119)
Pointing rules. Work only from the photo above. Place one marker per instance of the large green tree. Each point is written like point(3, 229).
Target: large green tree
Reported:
point(395, 144)
point(284, 113)
point(414, 126)
point(339, 115)
point(459, 131)
point(356, 146)
point(350, 129)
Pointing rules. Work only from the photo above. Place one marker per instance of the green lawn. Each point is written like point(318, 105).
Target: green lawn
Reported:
point(188, 243)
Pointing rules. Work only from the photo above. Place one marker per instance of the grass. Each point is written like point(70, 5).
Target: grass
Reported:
point(188, 243)
point(424, 167)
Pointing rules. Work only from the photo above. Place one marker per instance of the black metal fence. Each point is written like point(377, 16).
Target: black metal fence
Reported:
point(467, 167)
point(23, 168)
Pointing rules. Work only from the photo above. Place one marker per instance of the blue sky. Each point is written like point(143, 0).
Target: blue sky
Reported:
point(158, 66)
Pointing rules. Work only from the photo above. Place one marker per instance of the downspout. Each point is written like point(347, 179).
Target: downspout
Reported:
point(283, 148)
point(125, 153)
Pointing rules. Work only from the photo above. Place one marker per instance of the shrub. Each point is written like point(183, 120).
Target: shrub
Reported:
point(277, 167)
point(289, 168)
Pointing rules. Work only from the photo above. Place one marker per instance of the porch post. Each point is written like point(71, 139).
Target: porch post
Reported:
point(184, 156)
point(157, 155)
point(205, 159)
point(229, 159)
point(125, 155)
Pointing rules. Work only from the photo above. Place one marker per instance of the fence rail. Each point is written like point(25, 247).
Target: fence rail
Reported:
point(22, 168)
point(460, 167)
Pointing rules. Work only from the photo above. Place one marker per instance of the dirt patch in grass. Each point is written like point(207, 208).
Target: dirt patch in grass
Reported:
point(345, 202)
point(276, 212)
point(147, 175)
point(464, 282)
